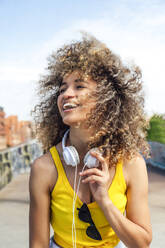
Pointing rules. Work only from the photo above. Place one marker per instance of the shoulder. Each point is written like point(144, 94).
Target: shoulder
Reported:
point(135, 168)
point(43, 164)
point(43, 171)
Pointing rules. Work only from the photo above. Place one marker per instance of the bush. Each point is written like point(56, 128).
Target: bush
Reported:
point(156, 131)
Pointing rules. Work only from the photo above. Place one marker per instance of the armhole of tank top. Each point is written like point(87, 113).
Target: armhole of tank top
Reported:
point(57, 164)
point(121, 174)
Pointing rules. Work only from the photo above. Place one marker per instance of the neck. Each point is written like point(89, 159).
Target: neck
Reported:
point(80, 140)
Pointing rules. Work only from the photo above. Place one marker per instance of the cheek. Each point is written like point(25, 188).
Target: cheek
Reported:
point(85, 98)
point(89, 101)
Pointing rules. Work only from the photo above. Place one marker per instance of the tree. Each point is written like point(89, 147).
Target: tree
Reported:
point(156, 131)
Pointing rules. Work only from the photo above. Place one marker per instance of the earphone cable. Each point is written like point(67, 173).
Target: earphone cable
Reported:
point(73, 209)
point(74, 203)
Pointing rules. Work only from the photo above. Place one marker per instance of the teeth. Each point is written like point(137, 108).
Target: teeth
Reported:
point(69, 105)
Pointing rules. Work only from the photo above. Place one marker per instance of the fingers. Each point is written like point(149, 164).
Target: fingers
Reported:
point(93, 171)
point(95, 174)
point(91, 179)
point(101, 160)
point(92, 175)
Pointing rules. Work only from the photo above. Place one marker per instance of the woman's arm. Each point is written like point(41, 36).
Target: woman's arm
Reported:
point(39, 215)
point(135, 229)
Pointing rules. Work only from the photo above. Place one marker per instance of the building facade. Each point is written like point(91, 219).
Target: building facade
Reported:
point(12, 131)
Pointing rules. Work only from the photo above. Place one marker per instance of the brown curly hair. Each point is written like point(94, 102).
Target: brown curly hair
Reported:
point(118, 117)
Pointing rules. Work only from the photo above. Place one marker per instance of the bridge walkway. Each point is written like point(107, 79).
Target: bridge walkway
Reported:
point(14, 211)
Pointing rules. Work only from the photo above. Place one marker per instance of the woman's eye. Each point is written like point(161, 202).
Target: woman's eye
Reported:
point(80, 86)
point(61, 91)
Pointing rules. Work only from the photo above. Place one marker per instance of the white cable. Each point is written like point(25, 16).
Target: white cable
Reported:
point(74, 203)
point(76, 199)
point(73, 222)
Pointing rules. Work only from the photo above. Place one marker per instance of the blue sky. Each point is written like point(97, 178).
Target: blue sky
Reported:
point(30, 30)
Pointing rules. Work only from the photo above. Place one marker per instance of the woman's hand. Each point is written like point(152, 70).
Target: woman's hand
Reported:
point(98, 179)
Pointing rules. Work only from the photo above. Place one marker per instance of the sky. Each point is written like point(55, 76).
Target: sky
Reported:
point(31, 30)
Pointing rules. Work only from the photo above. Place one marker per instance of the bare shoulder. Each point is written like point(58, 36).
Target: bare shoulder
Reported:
point(43, 171)
point(135, 168)
point(44, 162)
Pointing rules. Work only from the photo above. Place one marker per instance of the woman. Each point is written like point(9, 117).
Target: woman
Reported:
point(89, 93)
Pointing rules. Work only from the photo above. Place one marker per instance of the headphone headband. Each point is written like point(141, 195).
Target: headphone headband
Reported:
point(64, 139)
point(71, 156)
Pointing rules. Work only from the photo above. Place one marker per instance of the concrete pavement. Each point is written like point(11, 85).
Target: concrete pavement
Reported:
point(14, 210)
point(157, 206)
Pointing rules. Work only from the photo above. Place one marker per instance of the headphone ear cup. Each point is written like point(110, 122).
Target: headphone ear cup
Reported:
point(71, 156)
point(91, 161)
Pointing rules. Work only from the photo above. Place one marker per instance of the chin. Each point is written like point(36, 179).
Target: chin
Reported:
point(71, 122)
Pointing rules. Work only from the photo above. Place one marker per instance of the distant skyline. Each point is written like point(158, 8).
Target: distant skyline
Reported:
point(30, 30)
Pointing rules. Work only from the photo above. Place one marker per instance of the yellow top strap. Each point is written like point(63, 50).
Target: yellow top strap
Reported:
point(56, 159)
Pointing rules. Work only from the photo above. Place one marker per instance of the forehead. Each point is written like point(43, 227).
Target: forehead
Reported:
point(72, 76)
point(76, 77)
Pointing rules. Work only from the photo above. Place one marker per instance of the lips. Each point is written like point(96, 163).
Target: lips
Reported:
point(69, 106)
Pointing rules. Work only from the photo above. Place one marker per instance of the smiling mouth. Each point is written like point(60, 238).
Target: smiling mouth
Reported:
point(69, 107)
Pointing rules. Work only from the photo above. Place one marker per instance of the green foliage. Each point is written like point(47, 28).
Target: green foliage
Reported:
point(156, 131)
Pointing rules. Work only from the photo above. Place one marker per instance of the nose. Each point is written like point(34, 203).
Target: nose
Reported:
point(69, 93)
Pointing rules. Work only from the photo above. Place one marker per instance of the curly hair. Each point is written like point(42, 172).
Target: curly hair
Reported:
point(118, 117)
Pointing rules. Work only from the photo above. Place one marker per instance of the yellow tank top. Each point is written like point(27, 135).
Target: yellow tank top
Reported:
point(61, 210)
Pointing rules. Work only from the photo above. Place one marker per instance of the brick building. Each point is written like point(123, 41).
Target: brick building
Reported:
point(12, 131)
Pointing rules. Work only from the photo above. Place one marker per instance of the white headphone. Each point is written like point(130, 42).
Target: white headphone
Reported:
point(71, 156)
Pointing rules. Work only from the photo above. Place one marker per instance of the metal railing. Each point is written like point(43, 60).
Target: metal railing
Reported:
point(157, 155)
point(16, 160)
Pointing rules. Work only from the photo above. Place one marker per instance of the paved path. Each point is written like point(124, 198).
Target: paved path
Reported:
point(157, 206)
point(14, 209)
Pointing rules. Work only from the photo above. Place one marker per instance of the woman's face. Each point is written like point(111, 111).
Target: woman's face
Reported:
point(75, 100)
